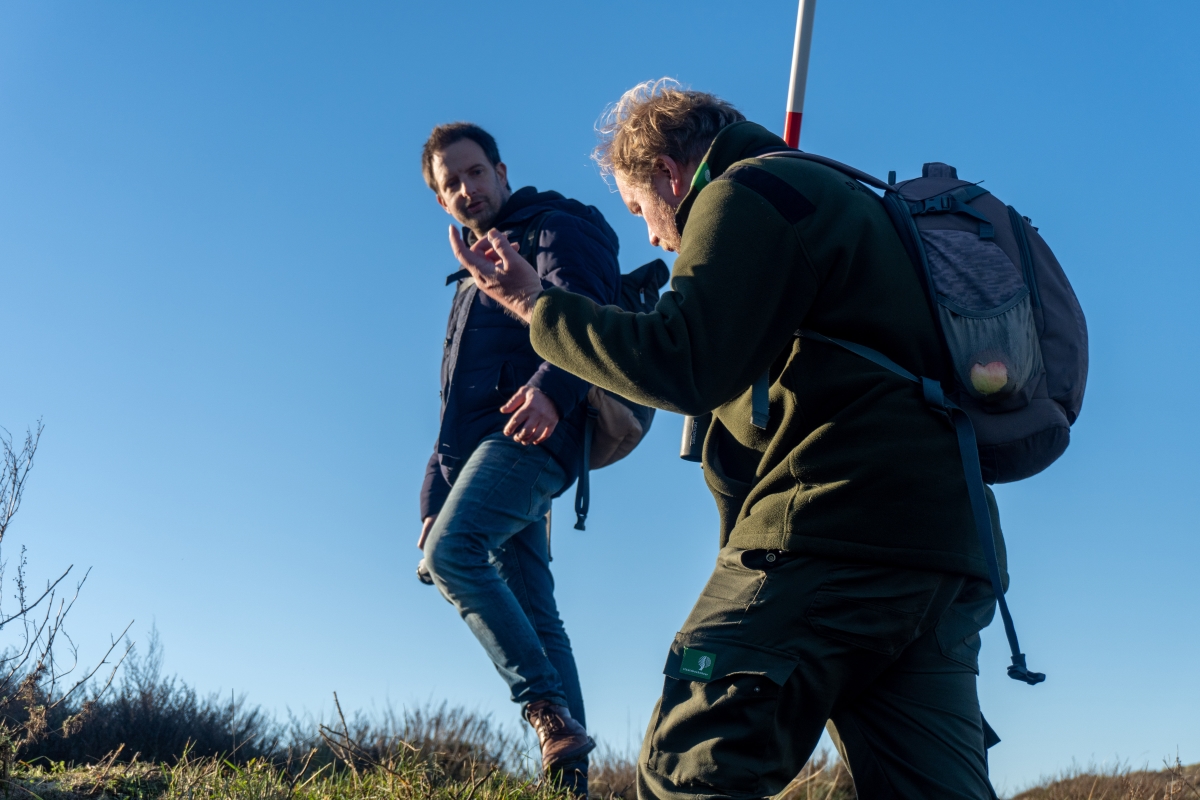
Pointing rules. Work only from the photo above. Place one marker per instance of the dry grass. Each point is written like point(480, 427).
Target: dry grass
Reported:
point(411, 775)
point(407, 777)
point(1122, 783)
point(612, 776)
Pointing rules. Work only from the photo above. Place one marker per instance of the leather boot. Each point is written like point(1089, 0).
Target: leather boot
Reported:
point(562, 738)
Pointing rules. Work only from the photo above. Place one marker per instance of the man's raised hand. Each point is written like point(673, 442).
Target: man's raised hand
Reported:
point(500, 272)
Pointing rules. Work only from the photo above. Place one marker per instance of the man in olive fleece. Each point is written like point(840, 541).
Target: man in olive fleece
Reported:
point(850, 585)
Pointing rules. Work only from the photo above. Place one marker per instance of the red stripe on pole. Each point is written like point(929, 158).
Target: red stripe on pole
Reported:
point(791, 129)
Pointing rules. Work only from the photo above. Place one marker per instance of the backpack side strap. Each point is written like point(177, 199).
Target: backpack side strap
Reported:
point(936, 399)
point(583, 489)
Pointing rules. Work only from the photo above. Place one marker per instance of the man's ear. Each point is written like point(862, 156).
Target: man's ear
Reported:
point(442, 202)
point(502, 173)
point(679, 176)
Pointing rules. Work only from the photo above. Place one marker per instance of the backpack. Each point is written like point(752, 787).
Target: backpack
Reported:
point(615, 426)
point(1010, 327)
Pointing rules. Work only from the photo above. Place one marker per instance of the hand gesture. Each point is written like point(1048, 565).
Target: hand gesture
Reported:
point(534, 416)
point(500, 272)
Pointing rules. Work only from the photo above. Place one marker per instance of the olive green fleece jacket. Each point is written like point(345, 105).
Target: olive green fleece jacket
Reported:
point(853, 464)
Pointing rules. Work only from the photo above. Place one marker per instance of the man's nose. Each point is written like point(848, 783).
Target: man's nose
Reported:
point(653, 237)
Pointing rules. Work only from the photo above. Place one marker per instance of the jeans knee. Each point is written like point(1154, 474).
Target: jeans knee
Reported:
point(552, 633)
point(447, 557)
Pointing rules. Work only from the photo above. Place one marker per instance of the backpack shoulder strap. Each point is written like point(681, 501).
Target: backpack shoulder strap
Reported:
point(857, 174)
point(532, 238)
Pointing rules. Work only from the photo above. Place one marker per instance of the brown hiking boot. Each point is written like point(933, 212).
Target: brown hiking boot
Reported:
point(562, 738)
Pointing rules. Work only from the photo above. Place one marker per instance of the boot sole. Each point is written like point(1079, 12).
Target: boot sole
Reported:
point(572, 755)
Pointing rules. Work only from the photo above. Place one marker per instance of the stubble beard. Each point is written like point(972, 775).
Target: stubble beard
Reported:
point(664, 221)
point(480, 222)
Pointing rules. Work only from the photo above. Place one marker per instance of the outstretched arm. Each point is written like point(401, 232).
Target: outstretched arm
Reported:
point(740, 288)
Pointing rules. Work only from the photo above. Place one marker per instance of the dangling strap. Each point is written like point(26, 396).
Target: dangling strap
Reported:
point(969, 451)
point(583, 489)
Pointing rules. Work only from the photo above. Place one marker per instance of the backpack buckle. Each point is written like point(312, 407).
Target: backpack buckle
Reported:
point(933, 205)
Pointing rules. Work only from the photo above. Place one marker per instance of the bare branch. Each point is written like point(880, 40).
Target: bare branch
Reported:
point(16, 471)
point(61, 699)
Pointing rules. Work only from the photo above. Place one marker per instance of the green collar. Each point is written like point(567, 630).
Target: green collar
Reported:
point(734, 143)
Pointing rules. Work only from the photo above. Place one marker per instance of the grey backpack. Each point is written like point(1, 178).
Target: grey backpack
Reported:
point(1010, 321)
point(1011, 327)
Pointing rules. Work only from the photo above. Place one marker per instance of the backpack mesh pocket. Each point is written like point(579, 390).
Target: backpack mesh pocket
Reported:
point(986, 315)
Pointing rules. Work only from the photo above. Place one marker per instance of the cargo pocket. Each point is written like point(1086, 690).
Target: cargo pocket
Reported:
point(719, 707)
point(958, 630)
point(733, 586)
point(987, 316)
point(873, 626)
point(958, 639)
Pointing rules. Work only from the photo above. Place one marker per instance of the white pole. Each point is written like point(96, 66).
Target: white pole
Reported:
point(795, 101)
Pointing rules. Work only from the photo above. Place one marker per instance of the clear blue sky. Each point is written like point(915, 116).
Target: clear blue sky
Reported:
point(221, 277)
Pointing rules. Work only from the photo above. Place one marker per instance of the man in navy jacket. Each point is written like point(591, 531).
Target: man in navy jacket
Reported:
point(511, 438)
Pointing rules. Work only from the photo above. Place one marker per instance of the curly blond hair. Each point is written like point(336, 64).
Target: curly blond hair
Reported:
point(657, 118)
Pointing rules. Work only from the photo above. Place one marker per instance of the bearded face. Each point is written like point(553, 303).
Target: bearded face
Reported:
point(654, 202)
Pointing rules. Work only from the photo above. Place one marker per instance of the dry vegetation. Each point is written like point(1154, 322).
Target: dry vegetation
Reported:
point(410, 774)
point(70, 733)
point(1175, 781)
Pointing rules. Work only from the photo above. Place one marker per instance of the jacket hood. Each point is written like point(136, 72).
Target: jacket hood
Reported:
point(527, 203)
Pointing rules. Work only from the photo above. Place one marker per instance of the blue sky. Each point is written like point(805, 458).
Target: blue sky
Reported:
point(221, 282)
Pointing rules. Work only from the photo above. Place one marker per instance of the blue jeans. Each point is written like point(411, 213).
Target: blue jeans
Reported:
point(488, 555)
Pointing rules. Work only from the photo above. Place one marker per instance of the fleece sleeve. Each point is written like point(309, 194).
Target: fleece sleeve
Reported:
point(576, 258)
point(740, 287)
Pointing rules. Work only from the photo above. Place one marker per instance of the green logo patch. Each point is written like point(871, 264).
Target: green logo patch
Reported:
point(697, 663)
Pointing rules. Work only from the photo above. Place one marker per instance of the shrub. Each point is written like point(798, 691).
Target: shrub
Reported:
point(158, 719)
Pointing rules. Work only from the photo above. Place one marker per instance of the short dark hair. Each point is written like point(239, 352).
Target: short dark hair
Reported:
point(445, 135)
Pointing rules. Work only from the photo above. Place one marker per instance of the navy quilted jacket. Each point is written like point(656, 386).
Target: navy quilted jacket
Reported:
point(487, 354)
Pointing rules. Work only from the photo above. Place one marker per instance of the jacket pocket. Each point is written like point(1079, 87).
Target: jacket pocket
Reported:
point(506, 381)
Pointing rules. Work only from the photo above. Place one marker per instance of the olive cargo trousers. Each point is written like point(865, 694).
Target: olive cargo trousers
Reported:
point(780, 642)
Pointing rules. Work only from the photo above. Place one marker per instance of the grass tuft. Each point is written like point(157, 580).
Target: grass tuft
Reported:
point(1174, 782)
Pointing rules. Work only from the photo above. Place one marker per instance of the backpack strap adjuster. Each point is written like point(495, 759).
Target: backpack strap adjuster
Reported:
point(935, 397)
